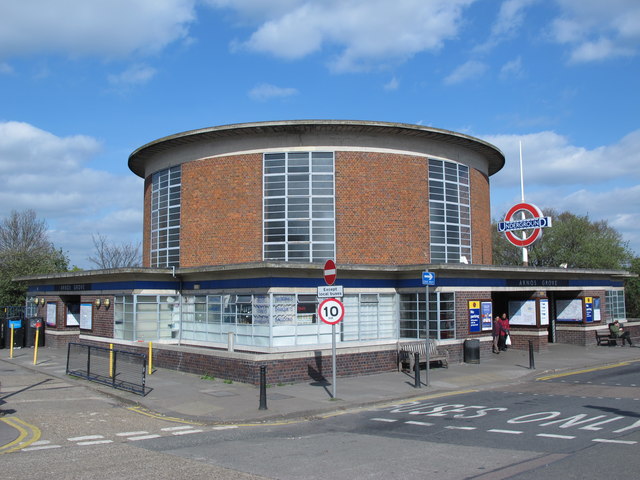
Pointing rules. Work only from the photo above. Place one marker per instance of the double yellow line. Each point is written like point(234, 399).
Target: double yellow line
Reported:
point(28, 434)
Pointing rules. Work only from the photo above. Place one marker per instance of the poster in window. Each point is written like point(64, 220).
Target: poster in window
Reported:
point(474, 316)
point(85, 316)
point(544, 311)
point(51, 314)
point(596, 309)
point(522, 312)
point(569, 310)
point(487, 316)
point(73, 314)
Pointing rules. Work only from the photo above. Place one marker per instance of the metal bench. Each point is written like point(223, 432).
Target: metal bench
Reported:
point(407, 350)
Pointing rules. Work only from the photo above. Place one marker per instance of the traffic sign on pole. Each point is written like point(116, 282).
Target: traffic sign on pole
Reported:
point(330, 272)
point(331, 311)
point(428, 278)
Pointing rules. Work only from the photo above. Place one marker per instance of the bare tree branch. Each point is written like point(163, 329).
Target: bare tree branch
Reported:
point(109, 255)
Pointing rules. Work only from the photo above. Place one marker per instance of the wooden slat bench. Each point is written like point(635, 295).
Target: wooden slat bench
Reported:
point(406, 354)
point(605, 338)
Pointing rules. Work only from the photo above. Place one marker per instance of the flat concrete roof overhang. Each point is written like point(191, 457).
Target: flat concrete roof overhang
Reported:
point(314, 271)
point(226, 138)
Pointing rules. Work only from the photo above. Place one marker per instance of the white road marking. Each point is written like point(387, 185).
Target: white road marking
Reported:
point(422, 424)
point(450, 427)
point(388, 420)
point(143, 437)
point(174, 429)
point(130, 434)
point(185, 432)
point(225, 427)
point(86, 437)
point(606, 440)
point(510, 432)
point(42, 447)
point(95, 442)
point(552, 435)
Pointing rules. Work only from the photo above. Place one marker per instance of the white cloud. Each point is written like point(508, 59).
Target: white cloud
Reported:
point(106, 28)
point(466, 71)
point(603, 182)
point(597, 30)
point(508, 23)
point(265, 91)
point(49, 174)
point(512, 69)
point(392, 84)
point(550, 158)
point(138, 74)
point(368, 33)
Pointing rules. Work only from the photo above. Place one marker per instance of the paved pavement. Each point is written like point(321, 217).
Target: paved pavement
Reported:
point(212, 401)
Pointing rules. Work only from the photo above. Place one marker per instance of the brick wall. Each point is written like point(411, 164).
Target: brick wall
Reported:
point(481, 246)
point(221, 211)
point(381, 208)
point(382, 214)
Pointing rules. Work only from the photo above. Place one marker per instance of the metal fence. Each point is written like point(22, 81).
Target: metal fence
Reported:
point(29, 310)
point(116, 368)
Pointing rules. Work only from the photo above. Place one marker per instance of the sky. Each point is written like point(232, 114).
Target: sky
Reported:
point(85, 83)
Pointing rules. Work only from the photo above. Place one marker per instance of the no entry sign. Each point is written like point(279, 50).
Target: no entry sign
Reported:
point(330, 272)
point(331, 311)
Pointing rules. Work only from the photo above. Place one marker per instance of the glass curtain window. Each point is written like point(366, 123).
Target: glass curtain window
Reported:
point(614, 304)
point(449, 212)
point(165, 218)
point(442, 315)
point(299, 206)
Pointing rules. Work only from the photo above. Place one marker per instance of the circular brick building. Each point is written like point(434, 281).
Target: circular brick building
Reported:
point(305, 191)
point(240, 219)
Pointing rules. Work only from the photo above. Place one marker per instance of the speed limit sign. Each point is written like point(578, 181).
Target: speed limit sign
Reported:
point(331, 311)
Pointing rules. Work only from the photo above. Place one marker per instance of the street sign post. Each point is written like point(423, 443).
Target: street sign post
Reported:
point(331, 311)
point(428, 278)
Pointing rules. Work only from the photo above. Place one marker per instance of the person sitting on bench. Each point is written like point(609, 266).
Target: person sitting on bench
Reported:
point(618, 332)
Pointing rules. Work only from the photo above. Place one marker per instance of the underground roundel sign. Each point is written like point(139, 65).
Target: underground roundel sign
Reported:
point(527, 218)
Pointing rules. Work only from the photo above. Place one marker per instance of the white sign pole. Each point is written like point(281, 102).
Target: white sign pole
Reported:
point(525, 252)
point(333, 360)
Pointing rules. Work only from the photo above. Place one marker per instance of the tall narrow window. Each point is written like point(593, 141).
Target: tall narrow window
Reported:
point(165, 218)
point(449, 212)
point(299, 206)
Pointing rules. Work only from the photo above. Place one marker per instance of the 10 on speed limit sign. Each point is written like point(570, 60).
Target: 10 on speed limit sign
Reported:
point(331, 311)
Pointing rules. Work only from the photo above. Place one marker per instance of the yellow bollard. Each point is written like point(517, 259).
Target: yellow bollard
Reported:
point(35, 348)
point(111, 360)
point(150, 357)
point(11, 349)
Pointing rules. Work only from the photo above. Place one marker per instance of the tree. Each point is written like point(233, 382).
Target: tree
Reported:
point(572, 240)
point(25, 250)
point(632, 290)
point(109, 255)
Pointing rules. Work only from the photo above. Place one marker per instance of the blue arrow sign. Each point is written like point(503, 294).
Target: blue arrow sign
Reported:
point(428, 278)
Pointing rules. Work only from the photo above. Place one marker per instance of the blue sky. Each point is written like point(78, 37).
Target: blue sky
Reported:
point(84, 83)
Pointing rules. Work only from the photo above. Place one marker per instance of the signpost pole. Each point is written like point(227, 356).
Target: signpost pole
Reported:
point(426, 364)
point(333, 361)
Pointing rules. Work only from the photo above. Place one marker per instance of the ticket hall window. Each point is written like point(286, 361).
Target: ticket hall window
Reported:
point(299, 206)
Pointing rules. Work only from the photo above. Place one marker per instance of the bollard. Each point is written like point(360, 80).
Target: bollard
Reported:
point(263, 388)
point(150, 371)
point(532, 363)
point(35, 349)
point(416, 368)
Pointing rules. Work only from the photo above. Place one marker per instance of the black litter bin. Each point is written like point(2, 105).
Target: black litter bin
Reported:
point(18, 332)
point(31, 326)
point(472, 351)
